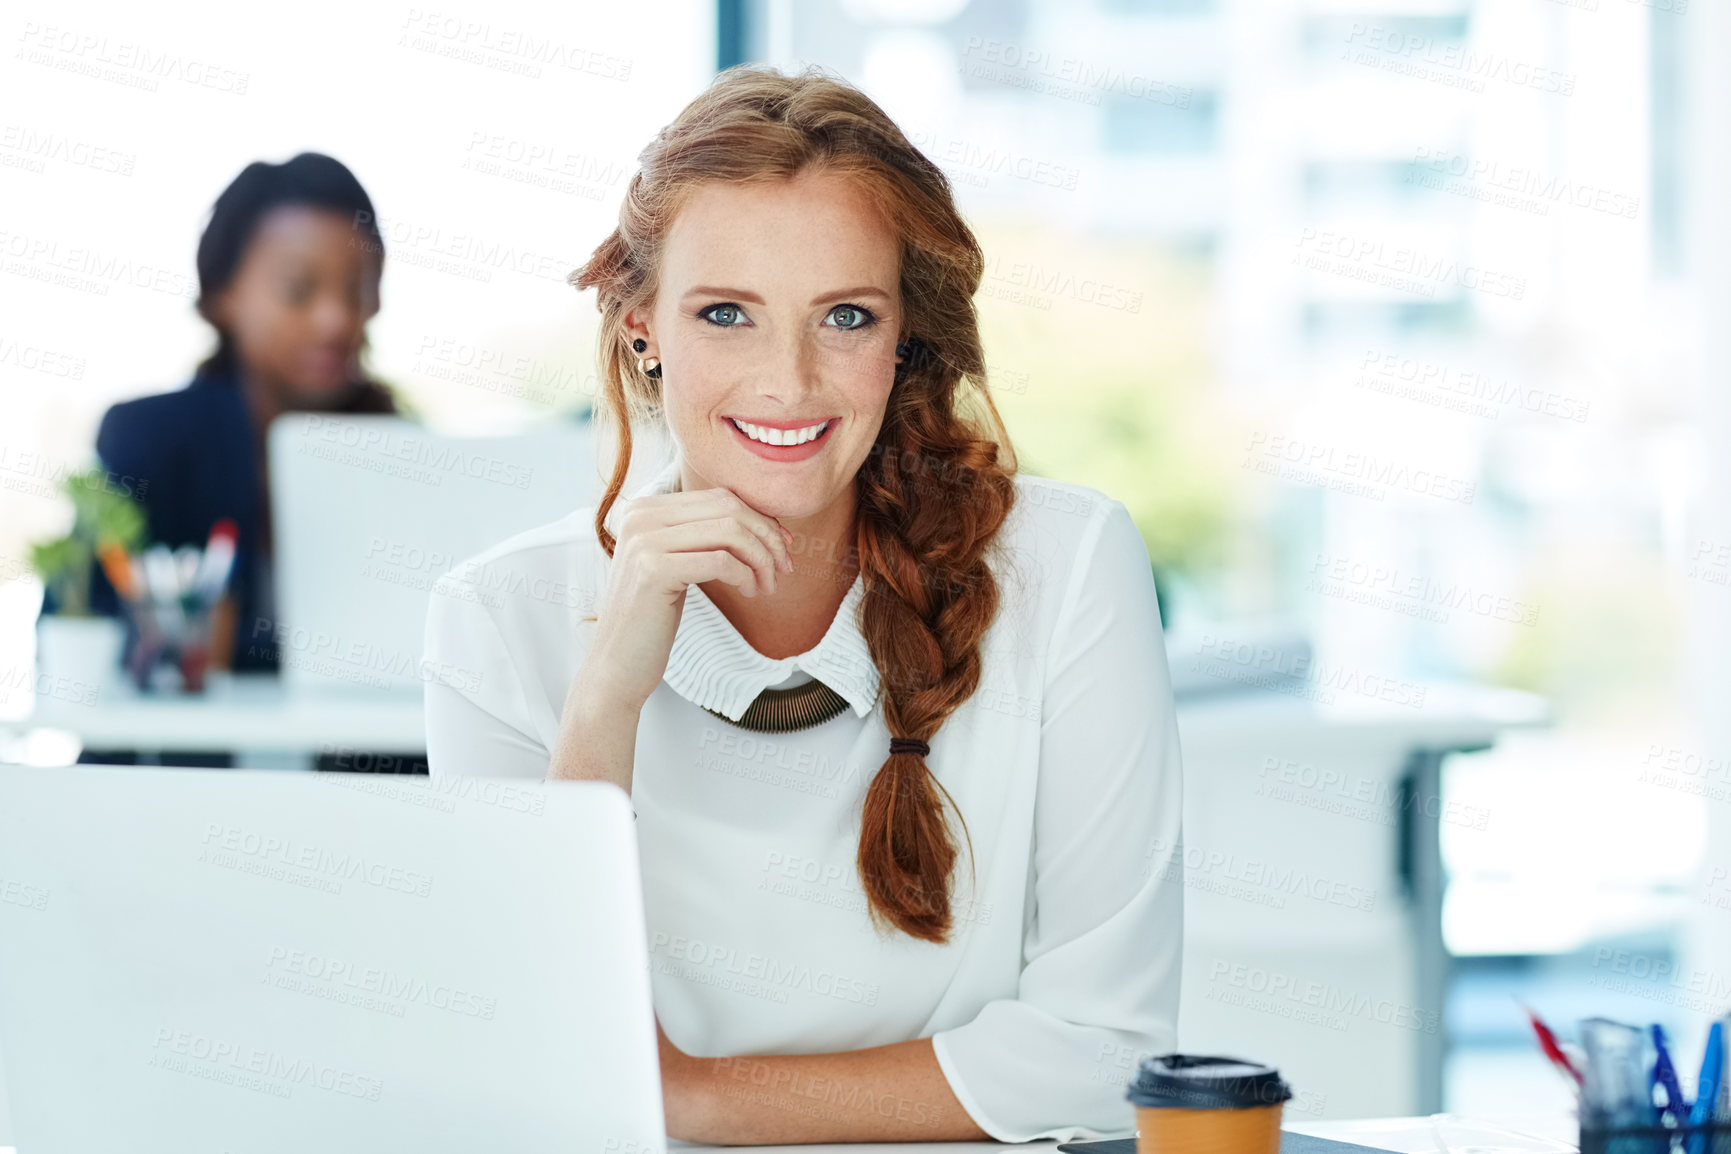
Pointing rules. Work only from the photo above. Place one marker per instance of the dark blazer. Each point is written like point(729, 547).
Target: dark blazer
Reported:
point(192, 461)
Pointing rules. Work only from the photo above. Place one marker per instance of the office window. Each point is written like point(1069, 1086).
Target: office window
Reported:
point(1326, 38)
point(1336, 184)
point(1331, 322)
point(1665, 60)
point(1187, 124)
point(1160, 7)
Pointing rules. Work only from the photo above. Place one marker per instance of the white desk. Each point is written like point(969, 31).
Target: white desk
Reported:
point(1325, 980)
point(1544, 1134)
point(250, 714)
point(1434, 1134)
point(253, 712)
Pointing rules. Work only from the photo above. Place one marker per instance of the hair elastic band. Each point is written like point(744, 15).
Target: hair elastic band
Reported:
point(909, 745)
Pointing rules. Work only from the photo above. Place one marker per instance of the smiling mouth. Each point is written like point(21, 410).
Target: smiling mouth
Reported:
point(765, 435)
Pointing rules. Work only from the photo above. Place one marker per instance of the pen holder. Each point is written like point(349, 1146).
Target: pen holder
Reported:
point(171, 652)
point(1707, 1138)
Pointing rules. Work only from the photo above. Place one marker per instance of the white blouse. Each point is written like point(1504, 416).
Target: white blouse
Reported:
point(1063, 965)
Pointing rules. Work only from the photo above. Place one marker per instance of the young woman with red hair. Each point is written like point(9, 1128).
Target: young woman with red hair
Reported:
point(835, 642)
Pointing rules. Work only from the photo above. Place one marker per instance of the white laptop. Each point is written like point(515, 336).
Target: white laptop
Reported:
point(210, 961)
point(369, 511)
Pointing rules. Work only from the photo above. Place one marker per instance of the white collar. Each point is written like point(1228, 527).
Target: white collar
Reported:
point(712, 666)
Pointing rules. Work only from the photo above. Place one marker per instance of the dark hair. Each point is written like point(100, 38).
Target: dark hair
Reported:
point(311, 180)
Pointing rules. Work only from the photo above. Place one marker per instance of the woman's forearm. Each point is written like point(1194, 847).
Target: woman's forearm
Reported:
point(597, 737)
point(892, 1093)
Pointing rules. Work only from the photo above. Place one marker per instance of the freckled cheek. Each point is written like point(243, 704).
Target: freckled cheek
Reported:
point(863, 379)
point(693, 406)
point(709, 368)
point(863, 364)
point(868, 394)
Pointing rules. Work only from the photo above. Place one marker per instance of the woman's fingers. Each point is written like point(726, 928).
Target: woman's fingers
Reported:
point(666, 544)
point(719, 532)
point(768, 529)
point(663, 510)
point(714, 565)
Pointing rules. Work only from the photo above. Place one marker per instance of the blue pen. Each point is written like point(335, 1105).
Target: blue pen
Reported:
point(1707, 1087)
point(1665, 1074)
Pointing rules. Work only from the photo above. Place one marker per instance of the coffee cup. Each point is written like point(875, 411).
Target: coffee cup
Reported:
point(1188, 1104)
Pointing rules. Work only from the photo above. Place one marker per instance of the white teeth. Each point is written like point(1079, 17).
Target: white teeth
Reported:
point(779, 436)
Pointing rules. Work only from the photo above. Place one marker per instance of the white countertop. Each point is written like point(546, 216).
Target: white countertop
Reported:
point(1436, 1134)
point(255, 712)
point(240, 712)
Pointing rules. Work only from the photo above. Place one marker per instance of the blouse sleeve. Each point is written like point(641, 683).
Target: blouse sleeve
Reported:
point(476, 709)
point(1103, 948)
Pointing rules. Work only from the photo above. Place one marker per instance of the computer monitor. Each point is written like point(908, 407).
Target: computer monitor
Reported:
point(369, 511)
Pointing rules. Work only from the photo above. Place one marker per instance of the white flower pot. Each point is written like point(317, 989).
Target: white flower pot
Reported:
point(78, 658)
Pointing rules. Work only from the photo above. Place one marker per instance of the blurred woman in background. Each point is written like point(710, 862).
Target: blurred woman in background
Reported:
point(288, 271)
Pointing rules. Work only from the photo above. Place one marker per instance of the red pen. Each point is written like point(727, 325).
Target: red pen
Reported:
point(1553, 1051)
point(218, 559)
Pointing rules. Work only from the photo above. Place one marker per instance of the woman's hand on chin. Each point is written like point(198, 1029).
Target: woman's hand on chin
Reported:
point(668, 542)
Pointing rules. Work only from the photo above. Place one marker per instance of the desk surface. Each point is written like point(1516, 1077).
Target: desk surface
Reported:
point(1530, 1134)
point(254, 712)
point(246, 712)
point(1436, 1134)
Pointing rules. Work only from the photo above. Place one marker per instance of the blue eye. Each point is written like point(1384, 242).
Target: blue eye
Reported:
point(851, 318)
point(731, 311)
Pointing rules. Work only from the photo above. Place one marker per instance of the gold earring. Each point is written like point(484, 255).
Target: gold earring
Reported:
point(650, 366)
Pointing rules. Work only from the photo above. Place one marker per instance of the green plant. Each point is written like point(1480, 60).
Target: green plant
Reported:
point(101, 515)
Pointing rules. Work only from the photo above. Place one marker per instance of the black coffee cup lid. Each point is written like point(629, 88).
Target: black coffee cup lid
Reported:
point(1192, 1082)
